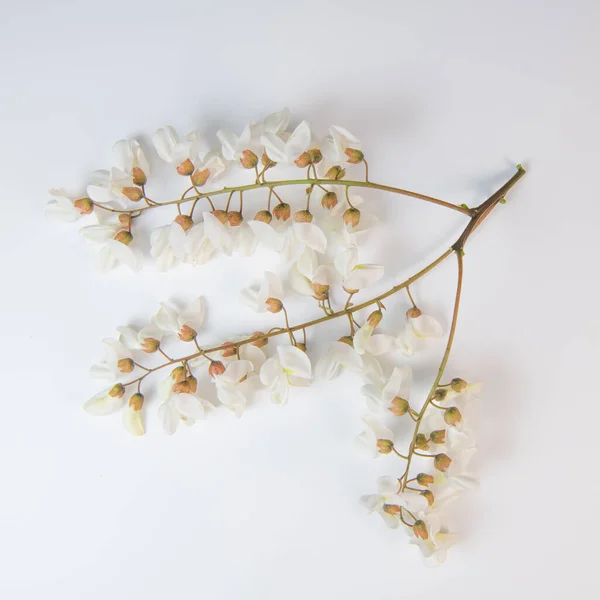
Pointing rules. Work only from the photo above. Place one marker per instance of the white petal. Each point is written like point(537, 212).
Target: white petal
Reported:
point(193, 315)
point(277, 122)
point(164, 141)
point(274, 147)
point(189, 406)
point(266, 235)
point(217, 233)
point(229, 144)
point(310, 235)
point(426, 327)
point(298, 141)
point(307, 263)
point(270, 371)
point(99, 234)
point(299, 283)
point(345, 261)
point(293, 361)
point(236, 370)
point(102, 404)
point(124, 254)
point(169, 416)
point(380, 343)
point(362, 276)
point(361, 338)
point(132, 421)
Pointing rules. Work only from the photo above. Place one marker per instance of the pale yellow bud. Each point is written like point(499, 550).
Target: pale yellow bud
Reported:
point(399, 406)
point(452, 416)
point(374, 318)
point(267, 163)
point(315, 156)
point(184, 221)
point(352, 217)
point(249, 160)
point(228, 350)
point(150, 345)
point(259, 339)
point(139, 177)
point(282, 211)
point(440, 394)
point(117, 391)
point(354, 156)
point(303, 216)
point(301, 346)
point(321, 289)
point(441, 462)
point(385, 446)
point(425, 479)
point(182, 387)
point(303, 160)
point(335, 172)
point(329, 200)
point(133, 193)
point(193, 383)
point(124, 237)
point(458, 385)
point(428, 495)
point(136, 401)
point(421, 442)
point(84, 205)
point(178, 374)
point(346, 339)
point(235, 218)
point(274, 305)
point(438, 436)
point(125, 365)
point(392, 509)
point(199, 178)
point(125, 220)
point(186, 168)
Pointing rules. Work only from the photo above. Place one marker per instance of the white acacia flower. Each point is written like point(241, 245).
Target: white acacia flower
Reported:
point(113, 251)
point(232, 385)
point(366, 342)
point(173, 149)
point(175, 408)
point(199, 249)
point(375, 431)
point(270, 287)
point(336, 142)
point(106, 187)
point(168, 243)
point(345, 234)
point(129, 155)
point(62, 207)
point(286, 151)
point(104, 403)
point(381, 397)
point(233, 145)
point(338, 356)
point(417, 329)
point(290, 367)
point(117, 364)
point(457, 474)
point(185, 323)
point(132, 419)
point(434, 548)
point(387, 498)
point(356, 276)
point(306, 271)
point(145, 339)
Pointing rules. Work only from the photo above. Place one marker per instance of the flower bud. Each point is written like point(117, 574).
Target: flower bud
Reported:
point(182, 387)
point(438, 436)
point(274, 305)
point(184, 221)
point(221, 215)
point(282, 211)
point(391, 509)
point(352, 217)
point(329, 200)
point(321, 289)
point(187, 334)
point(136, 401)
point(216, 368)
point(399, 406)
point(303, 216)
point(124, 237)
point(303, 160)
point(264, 216)
point(235, 218)
point(259, 339)
point(249, 160)
point(193, 383)
point(346, 339)
point(229, 350)
point(199, 178)
point(375, 318)
point(413, 313)
point(349, 291)
point(354, 155)
point(125, 365)
point(125, 220)
point(150, 345)
point(385, 446)
point(315, 156)
point(458, 384)
point(452, 416)
point(178, 374)
point(117, 391)
point(267, 163)
point(440, 394)
point(420, 530)
point(421, 442)
point(132, 192)
point(84, 205)
point(428, 495)
point(320, 296)
point(186, 168)
point(139, 177)
point(441, 462)
point(335, 172)
point(425, 479)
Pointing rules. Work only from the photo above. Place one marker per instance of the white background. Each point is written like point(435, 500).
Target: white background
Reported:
point(447, 97)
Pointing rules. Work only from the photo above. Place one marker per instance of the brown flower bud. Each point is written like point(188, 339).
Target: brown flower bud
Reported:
point(303, 160)
point(150, 345)
point(428, 495)
point(136, 401)
point(374, 318)
point(458, 384)
point(352, 217)
point(117, 391)
point(216, 368)
point(315, 156)
point(425, 479)
point(259, 339)
point(392, 509)
point(320, 296)
point(452, 416)
point(438, 436)
point(274, 305)
point(282, 211)
point(441, 462)
point(178, 374)
point(199, 178)
point(440, 394)
point(421, 442)
point(182, 387)
point(264, 216)
point(385, 446)
point(249, 160)
point(399, 406)
point(335, 172)
point(193, 383)
point(133, 193)
point(413, 313)
point(139, 177)
point(221, 215)
point(184, 221)
point(329, 200)
point(267, 163)
point(235, 218)
point(124, 237)
point(354, 155)
point(84, 205)
point(186, 168)
point(301, 346)
point(321, 289)
point(420, 530)
point(125, 220)
point(346, 339)
point(303, 216)
point(125, 365)
point(187, 334)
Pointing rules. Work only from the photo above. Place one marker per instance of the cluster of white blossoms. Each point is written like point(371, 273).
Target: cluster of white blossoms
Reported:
point(321, 258)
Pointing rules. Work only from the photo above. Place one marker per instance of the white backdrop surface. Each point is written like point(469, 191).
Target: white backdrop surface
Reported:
point(447, 97)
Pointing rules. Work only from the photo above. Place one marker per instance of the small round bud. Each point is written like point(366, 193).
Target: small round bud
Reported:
point(229, 350)
point(458, 384)
point(84, 205)
point(249, 160)
point(392, 509)
point(184, 221)
point(421, 442)
point(301, 346)
point(425, 479)
point(385, 446)
point(150, 345)
point(178, 374)
point(420, 530)
point(303, 216)
point(235, 218)
point(428, 495)
point(136, 401)
point(259, 339)
point(320, 297)
point(315, 156)
point(303, 160)
point(452, 416)
point(182, 387)
point(187, 334)
point(186, 168)
point(321, 289)
point(267, 163)
point(139, 177)
point(221, 215)
point(440, 394)
point(117, 391)
point(329, 200)
point(346, 339)
point(193, 383)
point(125, 220)
point(264, 216)
point(282, 211)
point(199, 178)
point(375, 318)
point(352, 217)
point(438, 436)
point(441, 462)
point(274, 305)
point(354, 156)
point(399, 406)
point(125, 365)
point(413, 313)
point(124, 237)
point(216, 368)
point(133, 193)
point(335, 172)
